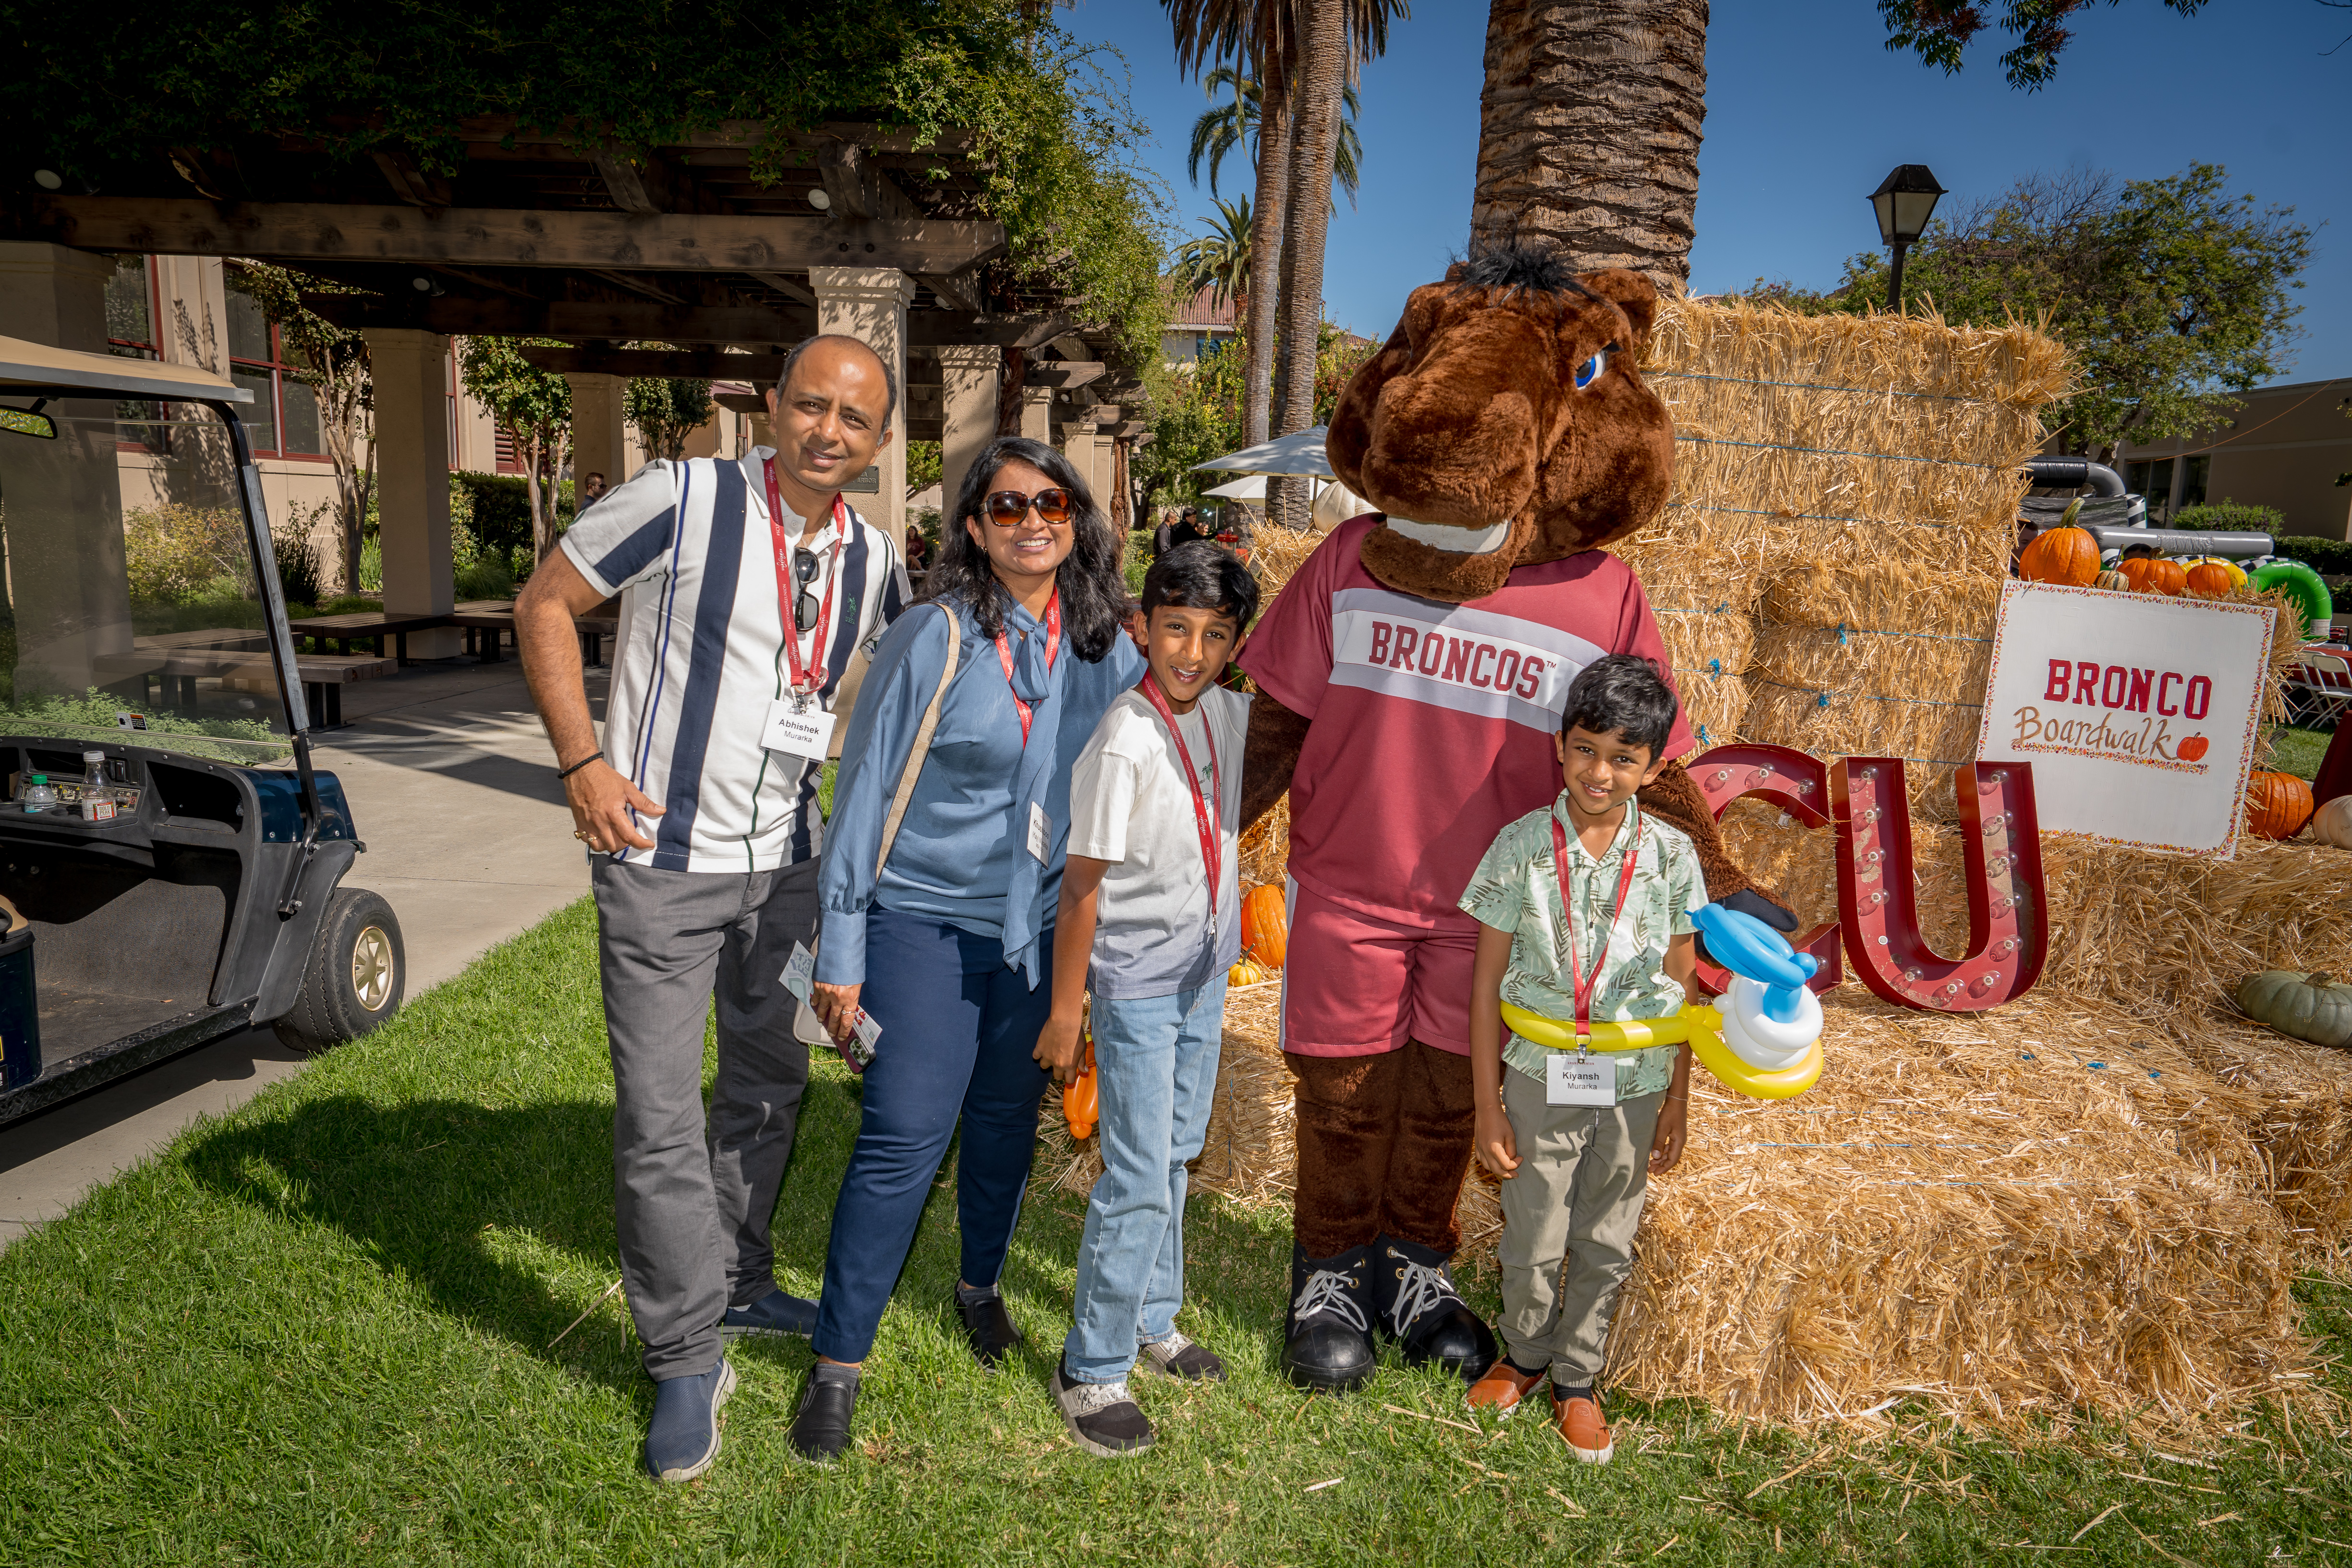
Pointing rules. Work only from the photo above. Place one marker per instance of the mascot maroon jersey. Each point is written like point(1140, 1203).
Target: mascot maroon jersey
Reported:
point(1432, 723)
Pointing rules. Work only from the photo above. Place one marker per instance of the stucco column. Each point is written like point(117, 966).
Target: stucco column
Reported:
point(1037, 413)
point(64, 517)
point(411, 369)
point(1103, 475)
point(869, 303)
point(598, 429)
point(1078, 446)
point(969, 405)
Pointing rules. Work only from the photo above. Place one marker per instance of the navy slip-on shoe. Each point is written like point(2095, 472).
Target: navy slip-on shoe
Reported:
point(773, 1315)
point(683, 1438)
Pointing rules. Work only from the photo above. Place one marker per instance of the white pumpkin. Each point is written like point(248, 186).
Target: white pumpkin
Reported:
point(2332, 823)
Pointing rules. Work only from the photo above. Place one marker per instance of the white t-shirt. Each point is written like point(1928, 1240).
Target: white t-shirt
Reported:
point(1130, 805)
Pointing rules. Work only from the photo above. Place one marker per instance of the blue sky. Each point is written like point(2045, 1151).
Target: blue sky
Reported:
point(1806, 112)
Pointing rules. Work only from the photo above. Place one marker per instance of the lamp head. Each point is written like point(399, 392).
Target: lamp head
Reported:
point(1904, 202)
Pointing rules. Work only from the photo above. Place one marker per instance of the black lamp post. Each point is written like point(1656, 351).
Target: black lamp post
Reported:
point(1903, 201)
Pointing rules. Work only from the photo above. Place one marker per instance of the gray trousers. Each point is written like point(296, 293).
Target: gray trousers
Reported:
point(1569, 1213)
point(692, 1193)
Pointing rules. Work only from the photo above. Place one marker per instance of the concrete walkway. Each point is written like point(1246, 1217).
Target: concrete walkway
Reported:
point(453, 787)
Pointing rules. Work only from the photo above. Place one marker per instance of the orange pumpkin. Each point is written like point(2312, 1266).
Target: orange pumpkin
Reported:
point(2208, 579)
point(2068, 555)
point(2167, 577)
point(1266, 928)
point(2277, 804)
point(2135, 573)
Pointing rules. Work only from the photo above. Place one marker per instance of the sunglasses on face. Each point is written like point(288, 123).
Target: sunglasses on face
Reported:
point(805, 565)
point(1006, 508)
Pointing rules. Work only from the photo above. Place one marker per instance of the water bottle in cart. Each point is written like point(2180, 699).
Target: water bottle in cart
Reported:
point(39, 795)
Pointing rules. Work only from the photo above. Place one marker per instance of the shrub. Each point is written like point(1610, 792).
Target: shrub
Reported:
point(296, 546)
point(2228, 516)
point(2329, 557)
point(174, 552)
point(484, 578)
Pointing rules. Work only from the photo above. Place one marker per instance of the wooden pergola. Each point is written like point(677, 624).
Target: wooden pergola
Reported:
point(567, 236)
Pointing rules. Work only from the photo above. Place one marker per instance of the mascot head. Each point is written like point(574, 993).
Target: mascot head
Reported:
point(1504, 424)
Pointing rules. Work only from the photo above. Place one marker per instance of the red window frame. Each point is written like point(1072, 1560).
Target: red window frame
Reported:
point(161, 445)
point(280, 370)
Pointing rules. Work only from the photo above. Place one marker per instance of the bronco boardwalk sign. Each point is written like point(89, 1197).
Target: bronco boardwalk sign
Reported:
point(2139, 714)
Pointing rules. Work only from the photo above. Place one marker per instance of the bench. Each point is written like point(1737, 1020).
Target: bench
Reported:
point(486, 623)
point(323, 675)
point(369, 626)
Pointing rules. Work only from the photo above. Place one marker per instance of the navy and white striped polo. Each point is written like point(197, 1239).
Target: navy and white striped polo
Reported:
point(701, 656)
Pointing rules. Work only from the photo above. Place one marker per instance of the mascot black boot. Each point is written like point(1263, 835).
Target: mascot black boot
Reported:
point(1415, 1303)
point(1328, 1337)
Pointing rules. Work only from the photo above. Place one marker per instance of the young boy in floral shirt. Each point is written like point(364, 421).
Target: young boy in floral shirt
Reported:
point(1583, 910)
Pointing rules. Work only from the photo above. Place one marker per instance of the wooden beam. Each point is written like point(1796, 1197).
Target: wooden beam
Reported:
point(638, 181)
point(785, 286)
point(956, 291)
point(635, 285)
point(663, 242)
point(633, 363)
point(1067, 373)
point(571, 320)
point(408, 180)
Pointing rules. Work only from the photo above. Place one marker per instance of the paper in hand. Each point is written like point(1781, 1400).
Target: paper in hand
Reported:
point(800, 973)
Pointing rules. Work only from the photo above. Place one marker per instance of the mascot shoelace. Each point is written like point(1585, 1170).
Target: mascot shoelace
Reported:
point(1412, 675)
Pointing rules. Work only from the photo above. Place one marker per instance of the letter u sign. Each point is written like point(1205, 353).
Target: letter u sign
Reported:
point(1878, 917)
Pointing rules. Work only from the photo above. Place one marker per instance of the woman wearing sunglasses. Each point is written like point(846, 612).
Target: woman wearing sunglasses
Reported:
point(946, 947)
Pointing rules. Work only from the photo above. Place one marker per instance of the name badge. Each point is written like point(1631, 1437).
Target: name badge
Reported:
point(799, 731)
point(1569, 1082)
point(1040, 833)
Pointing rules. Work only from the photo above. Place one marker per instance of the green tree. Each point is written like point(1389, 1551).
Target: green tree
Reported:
point(1939, 31)
point(1232, 122)
point(1218, 260)
point(2171, 292)
point(334, 363)
point(924, 466)
point(666, 410)
point(534, 406)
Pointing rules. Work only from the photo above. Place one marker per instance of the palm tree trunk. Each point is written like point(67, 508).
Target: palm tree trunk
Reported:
point(1314, 144)
point(1588, 131)
point(1272, 204)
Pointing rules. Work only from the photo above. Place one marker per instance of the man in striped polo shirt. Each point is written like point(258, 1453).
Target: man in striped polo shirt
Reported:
point(700, 811)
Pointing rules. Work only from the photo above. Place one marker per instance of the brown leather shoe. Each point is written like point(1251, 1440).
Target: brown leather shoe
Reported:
point(1586, 1434)
point(1502, 1388)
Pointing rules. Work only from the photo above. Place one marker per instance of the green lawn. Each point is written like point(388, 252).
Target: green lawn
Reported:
point(2298, 752)
point(330, 1328)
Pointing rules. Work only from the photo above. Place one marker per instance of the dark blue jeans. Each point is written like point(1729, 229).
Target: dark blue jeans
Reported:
point(958, 1028)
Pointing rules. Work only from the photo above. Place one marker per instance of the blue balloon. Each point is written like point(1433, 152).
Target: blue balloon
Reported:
point(1747, 947)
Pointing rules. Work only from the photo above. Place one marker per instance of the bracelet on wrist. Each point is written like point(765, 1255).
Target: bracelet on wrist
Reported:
point(592, 757)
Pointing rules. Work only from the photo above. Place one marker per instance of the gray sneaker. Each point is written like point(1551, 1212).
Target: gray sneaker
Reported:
point(1181, 1359)
point(1103, 1417)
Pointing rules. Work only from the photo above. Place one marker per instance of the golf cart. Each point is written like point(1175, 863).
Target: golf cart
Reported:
point(169, 862)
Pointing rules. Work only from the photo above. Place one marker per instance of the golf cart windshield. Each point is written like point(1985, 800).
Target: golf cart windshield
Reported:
point(133, 602)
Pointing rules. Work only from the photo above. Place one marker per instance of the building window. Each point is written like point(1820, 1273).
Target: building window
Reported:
point(282, 420)
point(132, 311)
point(509, 463)
point(2151, 478)
point(2193, 483)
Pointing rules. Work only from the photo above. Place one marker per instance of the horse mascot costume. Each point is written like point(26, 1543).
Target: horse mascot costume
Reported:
point(1412, 675)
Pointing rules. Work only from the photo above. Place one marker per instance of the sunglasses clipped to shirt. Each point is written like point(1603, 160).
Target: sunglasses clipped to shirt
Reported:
point(1006, 508)
point(805, 566)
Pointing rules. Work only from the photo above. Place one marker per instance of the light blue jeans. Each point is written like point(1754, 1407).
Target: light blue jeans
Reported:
point(1156, 1076)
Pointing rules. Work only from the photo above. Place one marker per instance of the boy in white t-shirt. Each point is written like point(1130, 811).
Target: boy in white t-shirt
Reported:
point(1150, 918)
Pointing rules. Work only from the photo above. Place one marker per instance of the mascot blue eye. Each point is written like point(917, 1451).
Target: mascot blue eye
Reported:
point(1590, 370)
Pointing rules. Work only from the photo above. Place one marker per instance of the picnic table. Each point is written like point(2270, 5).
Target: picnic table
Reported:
point(368, 625)
point(323, 675)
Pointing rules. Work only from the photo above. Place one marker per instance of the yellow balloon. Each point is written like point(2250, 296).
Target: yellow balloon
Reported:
point(1700, 1025)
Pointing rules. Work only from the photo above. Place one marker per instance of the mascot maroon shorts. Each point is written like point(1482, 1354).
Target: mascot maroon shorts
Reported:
point(1356, 985)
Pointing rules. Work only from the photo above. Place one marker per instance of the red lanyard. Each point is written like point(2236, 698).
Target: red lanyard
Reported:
point(810, 678)
point(1212, 846)
point(1581, 981)
point(1004, 656)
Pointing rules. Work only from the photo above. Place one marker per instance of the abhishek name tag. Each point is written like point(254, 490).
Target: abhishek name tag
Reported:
point(1571, 1080)
point(802, 730)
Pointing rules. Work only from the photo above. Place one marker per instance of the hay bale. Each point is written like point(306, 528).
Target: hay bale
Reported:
point(1969, 1210)
point(2302, 1120)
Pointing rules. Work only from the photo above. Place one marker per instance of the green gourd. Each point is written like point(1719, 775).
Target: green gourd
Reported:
point(2307, 1007)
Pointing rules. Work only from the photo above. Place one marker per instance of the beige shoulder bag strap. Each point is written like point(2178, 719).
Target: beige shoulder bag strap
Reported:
point(922, 746)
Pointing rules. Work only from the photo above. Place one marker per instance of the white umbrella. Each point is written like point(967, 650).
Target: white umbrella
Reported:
point(1297, 456)
point(1250, 486)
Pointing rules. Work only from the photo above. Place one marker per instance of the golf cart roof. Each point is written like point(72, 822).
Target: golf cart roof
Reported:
point(36, 367)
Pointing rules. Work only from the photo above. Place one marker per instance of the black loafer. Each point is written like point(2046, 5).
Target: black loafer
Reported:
point(989, 1327)
point(821, 1431)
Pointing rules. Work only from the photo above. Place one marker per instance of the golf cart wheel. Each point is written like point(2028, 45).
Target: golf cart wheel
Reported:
point(355, 977)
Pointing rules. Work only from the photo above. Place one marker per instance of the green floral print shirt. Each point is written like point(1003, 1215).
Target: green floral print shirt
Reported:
point(1516, 889)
